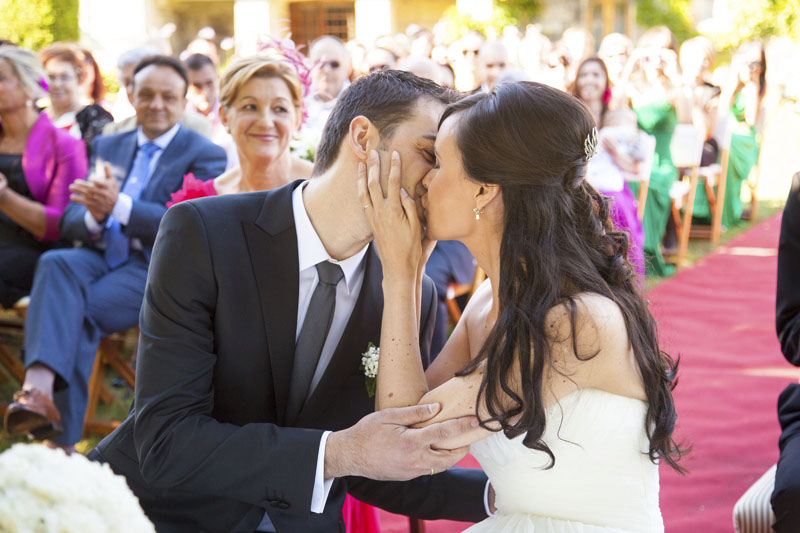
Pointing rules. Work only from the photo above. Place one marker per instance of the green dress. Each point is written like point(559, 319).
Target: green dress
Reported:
point(659, 120)
point(743, 157)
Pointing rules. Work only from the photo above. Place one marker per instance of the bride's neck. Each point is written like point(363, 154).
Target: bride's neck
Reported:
point(485, 247)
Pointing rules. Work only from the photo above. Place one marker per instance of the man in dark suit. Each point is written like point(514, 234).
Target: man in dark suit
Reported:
point(83, 294)
point(225, 435)
point(786, 496)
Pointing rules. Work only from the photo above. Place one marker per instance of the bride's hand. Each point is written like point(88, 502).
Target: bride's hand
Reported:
point(395, 225)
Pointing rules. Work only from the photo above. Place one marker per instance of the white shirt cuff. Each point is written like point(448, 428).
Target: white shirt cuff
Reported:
point(93, 226)
point(486, 499)
point(322, 486)
point(122, 209)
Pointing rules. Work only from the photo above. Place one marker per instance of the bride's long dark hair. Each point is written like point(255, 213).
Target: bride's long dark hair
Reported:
point(558, 241)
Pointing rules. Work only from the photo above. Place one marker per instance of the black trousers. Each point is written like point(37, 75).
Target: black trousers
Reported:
point(786, 496)
point(17, 265)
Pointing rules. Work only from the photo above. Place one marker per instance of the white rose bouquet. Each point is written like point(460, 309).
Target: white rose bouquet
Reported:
point(46, 490)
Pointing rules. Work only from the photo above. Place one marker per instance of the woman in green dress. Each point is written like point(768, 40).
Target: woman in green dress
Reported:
point(652, 85)
point(743, 95)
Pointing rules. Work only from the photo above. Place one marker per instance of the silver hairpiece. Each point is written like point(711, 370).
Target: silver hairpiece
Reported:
point(590, 144)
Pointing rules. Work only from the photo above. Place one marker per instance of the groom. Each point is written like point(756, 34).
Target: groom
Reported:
point(251, 411)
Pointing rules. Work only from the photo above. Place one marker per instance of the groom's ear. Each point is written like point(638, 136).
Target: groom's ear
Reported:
point(362, 136)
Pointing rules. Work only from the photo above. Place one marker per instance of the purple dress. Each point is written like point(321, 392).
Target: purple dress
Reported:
point(625, 214)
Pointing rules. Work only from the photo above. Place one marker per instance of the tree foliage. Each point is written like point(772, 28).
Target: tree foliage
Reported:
point(675, 14)
point(38, 23)
point(524, 11)
point(759, 19)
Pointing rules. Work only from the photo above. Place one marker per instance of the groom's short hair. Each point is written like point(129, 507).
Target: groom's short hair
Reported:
point(386, 98)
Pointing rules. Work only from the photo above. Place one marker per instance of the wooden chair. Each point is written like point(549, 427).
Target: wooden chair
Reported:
point(14, 323)
point(108, 355)
point(715, 180)
point(687, 151)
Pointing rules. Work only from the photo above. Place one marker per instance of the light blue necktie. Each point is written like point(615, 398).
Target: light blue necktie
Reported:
point(118, 246)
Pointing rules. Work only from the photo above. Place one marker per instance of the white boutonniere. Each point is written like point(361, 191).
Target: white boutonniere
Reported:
point(369, 365)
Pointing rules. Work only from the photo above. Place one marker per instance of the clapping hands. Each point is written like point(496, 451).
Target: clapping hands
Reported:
point(99, 193)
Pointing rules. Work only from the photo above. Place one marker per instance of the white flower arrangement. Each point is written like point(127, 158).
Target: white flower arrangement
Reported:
point(369, 365)
point(46, 490)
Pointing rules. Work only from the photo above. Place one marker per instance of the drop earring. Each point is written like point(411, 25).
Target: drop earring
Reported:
point(477, 213)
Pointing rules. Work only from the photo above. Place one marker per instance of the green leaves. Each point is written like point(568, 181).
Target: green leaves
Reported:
point(37, 23)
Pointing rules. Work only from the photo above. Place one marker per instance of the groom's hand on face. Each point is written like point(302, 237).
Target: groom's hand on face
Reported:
point(383, 446)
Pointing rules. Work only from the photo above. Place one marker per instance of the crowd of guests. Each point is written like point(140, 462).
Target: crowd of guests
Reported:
point(85, 181)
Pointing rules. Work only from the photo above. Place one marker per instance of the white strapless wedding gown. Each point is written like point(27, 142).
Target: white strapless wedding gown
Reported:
point(601, 482)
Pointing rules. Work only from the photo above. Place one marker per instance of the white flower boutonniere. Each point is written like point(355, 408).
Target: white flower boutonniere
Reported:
point(369, 365)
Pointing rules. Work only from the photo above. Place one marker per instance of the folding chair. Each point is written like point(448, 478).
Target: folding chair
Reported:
point(687, 151)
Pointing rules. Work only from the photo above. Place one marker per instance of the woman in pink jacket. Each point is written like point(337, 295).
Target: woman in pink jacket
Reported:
point(37, 164)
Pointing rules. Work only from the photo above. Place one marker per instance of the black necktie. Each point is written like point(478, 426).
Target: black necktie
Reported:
point(312, 336)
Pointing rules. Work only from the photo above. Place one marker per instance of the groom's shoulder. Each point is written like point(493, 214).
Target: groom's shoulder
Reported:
point(230, 206)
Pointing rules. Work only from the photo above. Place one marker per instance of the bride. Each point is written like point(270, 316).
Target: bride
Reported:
point(556, 352)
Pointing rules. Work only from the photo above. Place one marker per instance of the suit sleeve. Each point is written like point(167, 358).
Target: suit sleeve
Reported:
point(788, 295)
point(179, 444)
point(428, 319)
point(453, 495)
point(208, 163)
point(456, 494)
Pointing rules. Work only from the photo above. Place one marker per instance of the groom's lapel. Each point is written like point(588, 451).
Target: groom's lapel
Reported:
point(363, 327)
point(272, 244)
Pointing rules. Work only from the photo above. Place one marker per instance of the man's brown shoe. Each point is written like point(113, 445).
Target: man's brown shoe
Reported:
point(33, 413)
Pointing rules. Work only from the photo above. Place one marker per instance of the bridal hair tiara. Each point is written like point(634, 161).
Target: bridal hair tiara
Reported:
point(590, 144)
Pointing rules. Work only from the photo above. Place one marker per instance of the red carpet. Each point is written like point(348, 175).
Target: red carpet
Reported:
point(719, 316)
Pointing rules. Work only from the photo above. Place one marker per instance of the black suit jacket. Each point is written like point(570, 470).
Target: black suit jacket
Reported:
point(187, 152)
point(788, 296)
point(208, 444)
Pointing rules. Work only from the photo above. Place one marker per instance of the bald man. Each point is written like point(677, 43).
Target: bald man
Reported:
point(329, 79)
point(492, 62)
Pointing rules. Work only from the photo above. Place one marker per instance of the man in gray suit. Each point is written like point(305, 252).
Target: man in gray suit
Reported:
point(82, 294)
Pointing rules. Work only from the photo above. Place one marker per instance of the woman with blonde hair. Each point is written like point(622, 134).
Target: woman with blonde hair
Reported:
point(38, 162)
point(262, 108)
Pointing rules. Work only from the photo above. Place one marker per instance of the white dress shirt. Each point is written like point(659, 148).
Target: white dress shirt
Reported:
point(124, 206)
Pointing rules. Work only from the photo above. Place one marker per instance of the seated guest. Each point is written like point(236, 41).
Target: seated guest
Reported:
point(83, 294)
point(127, 65)
point(450, 262)
point(380, 59)
point(786, 496)
point(203, 99)
point(262, 105)
point(127, 61)
point(37, 164)
point(67, 69)
point(622, 152)
point(330, 77)
point(93, 88)
point(492, 62)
